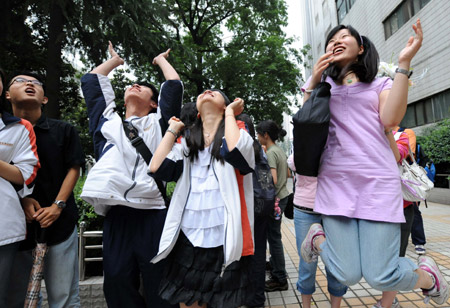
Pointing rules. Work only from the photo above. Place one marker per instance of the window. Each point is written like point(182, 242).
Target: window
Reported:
point(429, 110)
point(401, 14)
point(343, 7)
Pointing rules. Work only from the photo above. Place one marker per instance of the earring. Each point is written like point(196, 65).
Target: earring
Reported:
point(198, 115)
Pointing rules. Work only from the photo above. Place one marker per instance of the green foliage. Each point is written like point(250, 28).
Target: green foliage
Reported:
point(436, 142)
point(85, 210)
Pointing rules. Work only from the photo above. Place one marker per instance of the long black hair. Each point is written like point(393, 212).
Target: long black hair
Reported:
point(196, 142)
point(251, 130)
point(366, 66)
point(2, 95)
point(272, 129)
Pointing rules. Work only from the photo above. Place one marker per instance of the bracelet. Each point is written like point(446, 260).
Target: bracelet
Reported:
point(173, 132)
point(403, 71)
point(387, 132)
point(229, 115)
point(309, 91)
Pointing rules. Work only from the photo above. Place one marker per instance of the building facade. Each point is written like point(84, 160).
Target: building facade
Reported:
point(388, 25)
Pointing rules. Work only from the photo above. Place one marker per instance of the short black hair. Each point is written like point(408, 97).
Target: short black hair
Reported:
point(35, 75)
point(154, 91)
point(366, 68)
point(272, 129)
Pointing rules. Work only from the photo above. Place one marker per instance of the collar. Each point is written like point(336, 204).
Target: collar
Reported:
point(42, 123)
point(8, 118)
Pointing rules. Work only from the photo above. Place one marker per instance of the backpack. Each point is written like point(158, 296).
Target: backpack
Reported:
point(424, 161)
point(263, 187)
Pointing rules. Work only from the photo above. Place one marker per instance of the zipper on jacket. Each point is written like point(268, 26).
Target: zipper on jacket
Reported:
point(133, 176)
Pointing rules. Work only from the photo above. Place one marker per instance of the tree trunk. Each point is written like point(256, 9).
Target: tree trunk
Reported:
point(56, 37)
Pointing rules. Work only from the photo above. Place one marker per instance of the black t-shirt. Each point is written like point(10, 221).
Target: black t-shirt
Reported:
point(59, 149)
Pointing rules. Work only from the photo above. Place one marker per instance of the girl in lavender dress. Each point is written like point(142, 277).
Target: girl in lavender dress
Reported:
point(359, 193)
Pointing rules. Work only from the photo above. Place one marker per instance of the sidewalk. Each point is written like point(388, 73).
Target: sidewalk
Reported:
point(437, 229)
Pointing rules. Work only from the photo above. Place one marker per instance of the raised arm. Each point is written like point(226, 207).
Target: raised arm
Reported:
point(393, 102)
point(169, 72)
point(231, 128)
point(106, 67)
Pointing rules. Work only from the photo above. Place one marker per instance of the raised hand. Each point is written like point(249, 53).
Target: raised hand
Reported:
point(320, 66)
point(114, 54)
point(237, 106)
point(164, 55)
point(176, 124)
point(412, 46)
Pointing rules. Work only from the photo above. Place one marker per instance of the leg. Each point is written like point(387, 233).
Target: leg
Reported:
point(406, 228)
point(258, 263)
point(61, 273)
point(306, 271)
point(276, 246)
point(417, 231)
point(121, 273)
point(7, 255)
point(19, 279)
point(149, 225)
point(340, 254)
point(384, 270)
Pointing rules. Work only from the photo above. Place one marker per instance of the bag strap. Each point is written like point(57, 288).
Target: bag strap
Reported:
point(136, 141)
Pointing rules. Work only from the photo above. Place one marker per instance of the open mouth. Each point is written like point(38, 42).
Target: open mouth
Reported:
point(338, 50)
point(30, 91)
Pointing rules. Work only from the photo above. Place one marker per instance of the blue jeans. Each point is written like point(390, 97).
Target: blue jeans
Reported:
point(307, 271)
point(356, 248)
point(417, 231)
point(60, 275)
point(276, 245)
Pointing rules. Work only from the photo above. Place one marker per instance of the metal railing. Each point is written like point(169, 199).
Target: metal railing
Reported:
point(82, 247)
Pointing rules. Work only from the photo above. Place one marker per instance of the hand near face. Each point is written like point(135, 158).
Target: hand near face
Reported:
point(236, 107)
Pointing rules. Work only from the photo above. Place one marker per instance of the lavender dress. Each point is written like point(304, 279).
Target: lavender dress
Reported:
point(358, 175)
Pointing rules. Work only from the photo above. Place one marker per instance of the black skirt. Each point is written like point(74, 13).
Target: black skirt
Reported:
point(192, 274)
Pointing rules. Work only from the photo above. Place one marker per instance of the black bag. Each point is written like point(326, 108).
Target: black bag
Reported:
point(289, 210)
point(263, 188)
point(311, 124)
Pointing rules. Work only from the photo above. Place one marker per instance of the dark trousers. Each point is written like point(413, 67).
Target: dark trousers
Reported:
point(276, 245)
point(417, 231)
point(406, 228)
point(130, 240)
point(256, 297)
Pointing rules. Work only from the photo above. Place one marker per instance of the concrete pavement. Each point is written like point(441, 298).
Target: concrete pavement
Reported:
point(437, 229)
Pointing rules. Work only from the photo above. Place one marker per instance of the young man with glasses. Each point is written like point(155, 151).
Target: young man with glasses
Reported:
point(51, 206)
point(118, 185)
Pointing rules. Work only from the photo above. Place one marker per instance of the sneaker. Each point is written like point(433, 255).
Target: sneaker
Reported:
point(420, 250)
point(274, 284)
point(440, 291)
point(307, 250)
point(395, 304)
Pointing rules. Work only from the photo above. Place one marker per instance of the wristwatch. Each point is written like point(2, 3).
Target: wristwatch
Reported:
point(403, 71)
point(60, 203)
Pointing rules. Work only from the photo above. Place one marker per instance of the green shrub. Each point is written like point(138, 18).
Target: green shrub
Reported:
point(436, 142)
point(85, 210)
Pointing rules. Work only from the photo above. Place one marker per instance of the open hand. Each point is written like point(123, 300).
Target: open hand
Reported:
point(412, 46)
point(321, 65)
point(164, 55)
point(114, 54)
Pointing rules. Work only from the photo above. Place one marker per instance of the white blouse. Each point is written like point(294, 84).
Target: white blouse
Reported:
point(203, 220)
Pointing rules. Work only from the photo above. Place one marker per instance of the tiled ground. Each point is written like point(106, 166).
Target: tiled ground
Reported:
point(437, 229)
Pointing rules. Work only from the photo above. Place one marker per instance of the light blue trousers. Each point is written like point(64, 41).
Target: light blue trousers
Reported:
point(356, 248)
point(307, 271)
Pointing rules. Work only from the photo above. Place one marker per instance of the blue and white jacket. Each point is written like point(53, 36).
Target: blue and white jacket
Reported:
point(119, 176)
point(236, 187)
point(17, 147)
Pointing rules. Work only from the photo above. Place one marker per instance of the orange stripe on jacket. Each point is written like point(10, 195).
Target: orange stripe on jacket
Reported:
point(32, 137)
point(248, 248)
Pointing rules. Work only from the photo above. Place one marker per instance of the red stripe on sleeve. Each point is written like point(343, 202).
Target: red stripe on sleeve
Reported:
point(32, 138)
point(247, 248)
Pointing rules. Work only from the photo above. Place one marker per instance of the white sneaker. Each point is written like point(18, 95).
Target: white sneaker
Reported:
point(395, 304)
point(440, 291)
point(420, 250)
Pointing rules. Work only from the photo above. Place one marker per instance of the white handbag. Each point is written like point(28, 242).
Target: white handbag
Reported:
point(416, 185)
